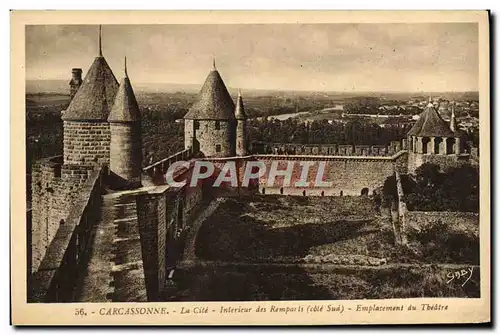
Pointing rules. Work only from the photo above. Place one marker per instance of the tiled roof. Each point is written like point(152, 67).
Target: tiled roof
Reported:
point(240, 110)
point(214, 101)
point(96, 95)
point(125, 107)
point(430, 124)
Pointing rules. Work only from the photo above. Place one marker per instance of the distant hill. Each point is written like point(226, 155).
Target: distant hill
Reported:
point(47, 86)
point(62, 87)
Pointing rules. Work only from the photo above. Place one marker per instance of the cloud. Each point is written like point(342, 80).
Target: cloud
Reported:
point(280, 56)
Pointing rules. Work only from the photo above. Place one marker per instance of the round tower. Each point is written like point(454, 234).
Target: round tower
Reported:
point(125, 149)
point(241, 127)
point(453, 120)
point(86, 129)
point(431, 140)
point(210, 124)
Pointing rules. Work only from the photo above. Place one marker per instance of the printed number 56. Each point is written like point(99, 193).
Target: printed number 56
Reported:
point(80, 312)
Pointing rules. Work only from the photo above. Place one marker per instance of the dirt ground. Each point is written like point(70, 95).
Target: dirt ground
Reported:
point(320, 248)
point(346, 230)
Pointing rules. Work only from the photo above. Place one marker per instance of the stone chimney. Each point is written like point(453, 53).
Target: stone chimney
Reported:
point(76, 81)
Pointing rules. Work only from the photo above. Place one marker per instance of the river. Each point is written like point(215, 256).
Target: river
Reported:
point(282, 117)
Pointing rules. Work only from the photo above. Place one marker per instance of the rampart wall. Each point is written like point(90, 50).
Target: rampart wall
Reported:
point(157, 170)
point(346, 175)
point(54, 188)
point(443, 161)
point(165, 216)
point(66, 254)
point(327, 149)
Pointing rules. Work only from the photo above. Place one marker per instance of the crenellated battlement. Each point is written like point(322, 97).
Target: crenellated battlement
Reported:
point(55, 277)
point(328, 149)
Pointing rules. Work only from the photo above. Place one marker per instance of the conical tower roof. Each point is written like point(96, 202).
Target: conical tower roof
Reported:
point(95, 96)
point(125, 107)
point(430, 124)
point(240, 110)
point(213, 102)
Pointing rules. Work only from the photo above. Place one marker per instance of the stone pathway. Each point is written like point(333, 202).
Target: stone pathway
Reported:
point(96, 285)
point(115, 272)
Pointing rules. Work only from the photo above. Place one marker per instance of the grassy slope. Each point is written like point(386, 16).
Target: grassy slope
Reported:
point(285, 229)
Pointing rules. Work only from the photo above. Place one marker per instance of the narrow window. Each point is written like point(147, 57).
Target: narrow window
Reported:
point(217, 148)
point(217, 125)
point(196, 125)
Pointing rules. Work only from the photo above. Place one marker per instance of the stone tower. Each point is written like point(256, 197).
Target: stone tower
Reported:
point(210, 124)
point(75, 82)
point(86, 129)
point(431, 140)
point(453, 120)
point(241, 127)
point(125, 128)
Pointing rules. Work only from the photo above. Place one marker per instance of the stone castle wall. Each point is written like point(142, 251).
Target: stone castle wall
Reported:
point(348, 176)
point(164, 215)
point(64, 257)
point(444, 161)
point(151, 214)
point(54, 189)
point(86, 142)
point(327, 149)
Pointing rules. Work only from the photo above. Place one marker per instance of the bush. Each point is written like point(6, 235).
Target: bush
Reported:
point(456, 189)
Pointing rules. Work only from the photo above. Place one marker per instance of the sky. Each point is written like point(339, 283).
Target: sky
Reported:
point(417, 57)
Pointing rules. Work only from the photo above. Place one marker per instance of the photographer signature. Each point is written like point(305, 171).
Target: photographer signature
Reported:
point(460, 274)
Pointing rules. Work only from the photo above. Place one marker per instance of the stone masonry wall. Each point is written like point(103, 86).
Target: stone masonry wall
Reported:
point(86, 142)
point(444, 161)
point(164, 215)
point(64, 258)
point(151, 214)
point(347, 176)
point(209, 138)
point(54, 187)
point(126, 153)
point(326, 149)
point(188, 133)
point(241, 138)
